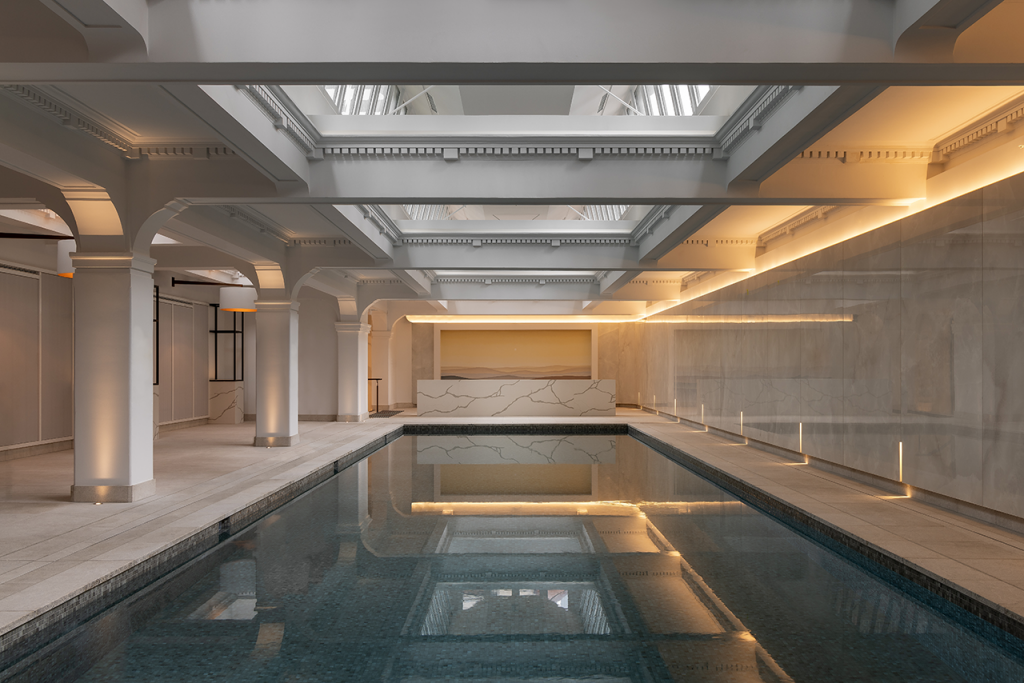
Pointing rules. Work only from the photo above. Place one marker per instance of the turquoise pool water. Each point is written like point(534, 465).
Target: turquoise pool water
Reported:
point(524, 558)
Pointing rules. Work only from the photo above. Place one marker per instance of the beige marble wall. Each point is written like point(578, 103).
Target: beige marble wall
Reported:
point(933, 358)
point(422, 354)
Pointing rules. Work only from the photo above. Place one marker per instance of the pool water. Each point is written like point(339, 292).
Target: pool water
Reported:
point(524, 558)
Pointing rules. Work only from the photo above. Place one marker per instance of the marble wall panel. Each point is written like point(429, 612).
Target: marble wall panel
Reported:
point(931, 358)
point(226, 402)
point(1002, 355)
point(608, 351)
point(819, 285)
point(734, 368)
point(516, 397)
point(660, 370)
point(687, 339)
point(941, 304)
point(422, 354)
point(871, 352)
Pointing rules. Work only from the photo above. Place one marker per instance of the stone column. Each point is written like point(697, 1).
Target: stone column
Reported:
point(381, 367)
point(352, 371)
point(113, 378)
point(277, 373)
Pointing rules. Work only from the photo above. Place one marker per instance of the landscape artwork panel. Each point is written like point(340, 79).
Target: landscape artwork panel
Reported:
point(515, 354)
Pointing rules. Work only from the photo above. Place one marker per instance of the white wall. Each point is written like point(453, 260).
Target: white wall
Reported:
point(318, 356)
point(35, 358)
point(184, 349)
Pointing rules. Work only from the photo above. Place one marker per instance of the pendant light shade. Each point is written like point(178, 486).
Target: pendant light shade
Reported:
point(64, 249)
point(238, 299)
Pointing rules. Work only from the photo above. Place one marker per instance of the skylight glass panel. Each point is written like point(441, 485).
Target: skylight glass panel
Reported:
point(667, 100)
point(364, 100)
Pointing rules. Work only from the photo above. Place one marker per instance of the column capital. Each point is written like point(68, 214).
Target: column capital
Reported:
point(352, 327)
point(110, 260)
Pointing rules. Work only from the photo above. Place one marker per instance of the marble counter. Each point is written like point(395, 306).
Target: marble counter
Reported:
point(515, 397)
point(520, 449)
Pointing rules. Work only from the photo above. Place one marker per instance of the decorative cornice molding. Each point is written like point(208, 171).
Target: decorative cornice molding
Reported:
point(319, 242)
point(371, 282)
point(181, 151)
point(787, 227)
point(68, 116)
point(1000, 121)
point(109, 132)
point(525, 280)
point(272, 104)
point(648, 222)
point(385, 224)
point(875, 155)
point(445, 240)
point(753, 117)
point(455, 151)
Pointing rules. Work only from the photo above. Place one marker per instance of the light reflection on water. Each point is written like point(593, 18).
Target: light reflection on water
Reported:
point(524, 558)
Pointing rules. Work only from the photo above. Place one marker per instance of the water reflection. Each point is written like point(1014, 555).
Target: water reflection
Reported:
point(629, 569)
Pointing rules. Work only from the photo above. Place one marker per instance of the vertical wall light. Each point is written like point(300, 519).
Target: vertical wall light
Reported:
point(801, 447)
point(238, 299)
point(901, 462)
point(64, 249)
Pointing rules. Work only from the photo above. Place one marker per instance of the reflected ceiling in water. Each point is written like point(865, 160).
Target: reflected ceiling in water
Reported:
point(527, 558)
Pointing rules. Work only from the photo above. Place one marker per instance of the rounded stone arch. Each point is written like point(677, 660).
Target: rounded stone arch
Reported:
point(17, 185)
point(143, 238)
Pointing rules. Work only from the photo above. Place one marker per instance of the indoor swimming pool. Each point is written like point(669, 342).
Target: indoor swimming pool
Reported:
point(539, 558)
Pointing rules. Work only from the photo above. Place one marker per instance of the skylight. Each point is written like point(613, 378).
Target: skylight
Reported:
point(667, 100)
point(364, 100)
point(444, 212)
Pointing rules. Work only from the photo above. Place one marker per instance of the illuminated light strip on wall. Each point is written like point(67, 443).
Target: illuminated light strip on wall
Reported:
point(678, 319)
point(754, 319)
point(523, 319)
point(967, 177)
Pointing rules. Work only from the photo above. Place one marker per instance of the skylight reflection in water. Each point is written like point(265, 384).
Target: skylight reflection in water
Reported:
point(530, 557)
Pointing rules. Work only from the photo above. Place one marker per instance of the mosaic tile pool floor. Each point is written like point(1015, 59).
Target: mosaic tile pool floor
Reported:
point(525, 558)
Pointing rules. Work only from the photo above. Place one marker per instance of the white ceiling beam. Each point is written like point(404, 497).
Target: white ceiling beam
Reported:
point(561, 180)
point(210, 227)
point(334, 283)
point(416, 280)
point(799, 119)
point(677, 224)
point(358, 227)
point(685, 41)
point(247, 129)
point(614, 280)
point(705, 255)
point(524, 291)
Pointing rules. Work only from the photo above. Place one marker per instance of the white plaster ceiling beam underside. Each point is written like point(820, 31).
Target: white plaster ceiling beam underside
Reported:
point(627, 179)
point(806, 41)
point(247, 130)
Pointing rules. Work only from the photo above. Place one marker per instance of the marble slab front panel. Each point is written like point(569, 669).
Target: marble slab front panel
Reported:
point(524, 449)
point(516, 397)
point(226, 402)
